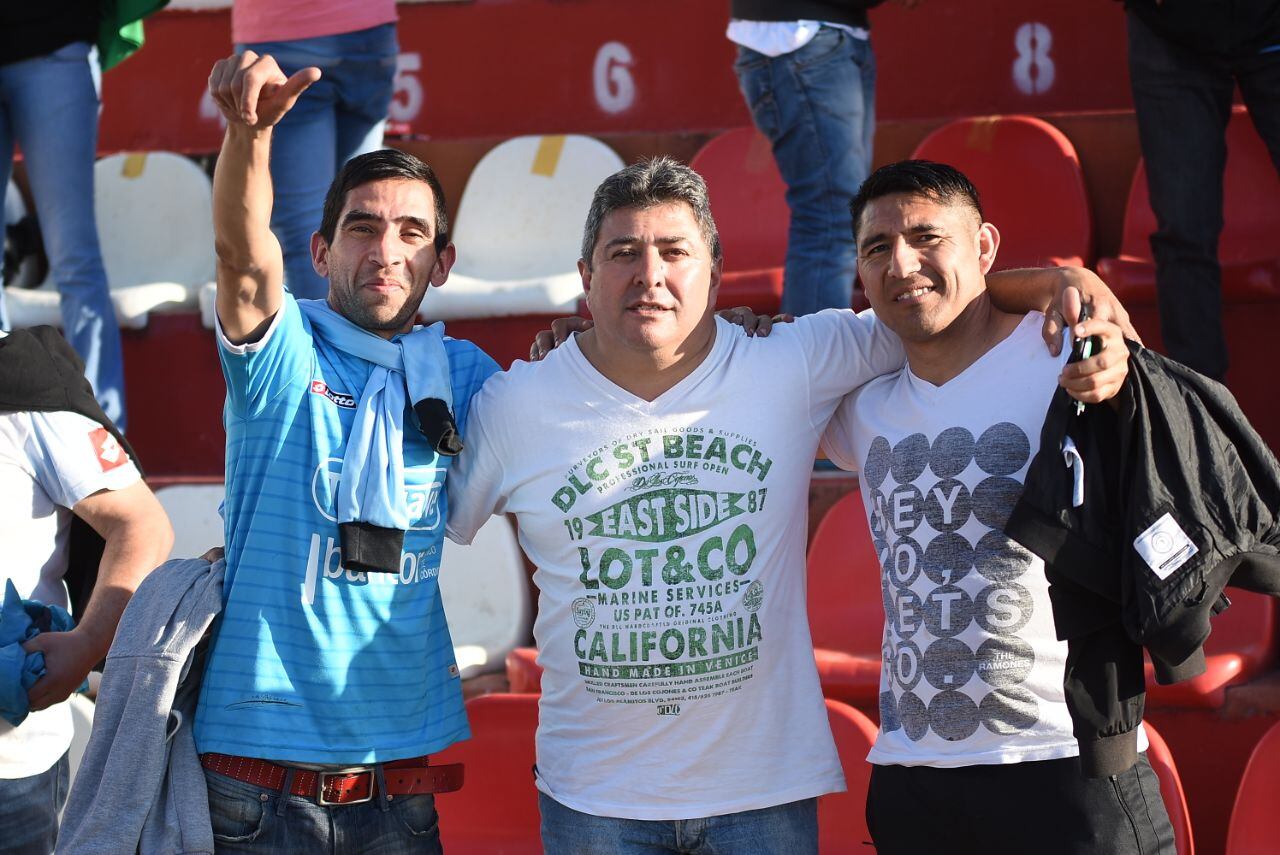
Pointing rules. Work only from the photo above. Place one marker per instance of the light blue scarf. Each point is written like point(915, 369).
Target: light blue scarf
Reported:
point(408, 369)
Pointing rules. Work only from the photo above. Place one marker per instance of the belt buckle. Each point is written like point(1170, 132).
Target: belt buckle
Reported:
point(320, 789)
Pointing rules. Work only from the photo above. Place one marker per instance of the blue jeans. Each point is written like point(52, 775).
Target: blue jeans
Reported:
point(1183, 102)
point(817, 107)
point(29, 810)
point(790, 828)
point(49, 106)
point(342, 115)
point(246, 818)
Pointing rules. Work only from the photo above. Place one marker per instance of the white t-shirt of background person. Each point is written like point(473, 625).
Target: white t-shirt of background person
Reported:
point(972, 668)
point(775, 38)
point(669, 540)
point(48, 463)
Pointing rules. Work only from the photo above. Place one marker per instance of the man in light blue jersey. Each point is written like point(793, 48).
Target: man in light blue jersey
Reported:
point(331, 676)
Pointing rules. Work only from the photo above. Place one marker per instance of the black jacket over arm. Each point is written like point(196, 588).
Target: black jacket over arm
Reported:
point(1177, 462)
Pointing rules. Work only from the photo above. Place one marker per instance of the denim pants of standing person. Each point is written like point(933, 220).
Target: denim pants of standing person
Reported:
point(790, 828)
point(1182, 99)
point(816, 105)
point(340, 116)
point(29, 810)
point(248, 819)
point(49, 107)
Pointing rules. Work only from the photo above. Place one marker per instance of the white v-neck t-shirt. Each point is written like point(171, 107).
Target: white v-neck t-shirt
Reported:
point(972, 667)
point(669, 540)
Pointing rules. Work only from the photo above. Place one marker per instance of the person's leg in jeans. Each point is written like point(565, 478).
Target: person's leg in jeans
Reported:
point(52, 104)
point(364, 92)
point(1183, 101)
point(302, 155)
point(566, 831)
point(790, 828)
point(6, 170)
point(322, 132)
point(29, 810)
point(248, 819)
point(817, 107)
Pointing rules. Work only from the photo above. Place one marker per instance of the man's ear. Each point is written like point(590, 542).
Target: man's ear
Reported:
point(444, 263)
point(717, 268)
point(320, 254)
point(988, 244)
point(584, 271)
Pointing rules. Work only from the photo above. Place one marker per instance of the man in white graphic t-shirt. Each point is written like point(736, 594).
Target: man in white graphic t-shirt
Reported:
point(60, 457)
point(658, 466)
point(975, 751)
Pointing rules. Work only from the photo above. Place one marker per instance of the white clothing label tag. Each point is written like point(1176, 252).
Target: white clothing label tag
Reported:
point(1071, 455)
point(1164, 546)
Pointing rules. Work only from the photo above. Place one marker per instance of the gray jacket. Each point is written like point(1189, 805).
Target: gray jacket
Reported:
point(140, 786)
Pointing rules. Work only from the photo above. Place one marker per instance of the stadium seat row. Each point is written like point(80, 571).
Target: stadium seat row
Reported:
point(520, 219)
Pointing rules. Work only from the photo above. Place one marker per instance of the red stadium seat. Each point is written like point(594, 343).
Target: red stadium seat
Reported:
point(1241, 646)
point(1028, 177)
point(524, 674)
point(1247, 249)
point(749, 202)
point(1175, 801)
point(846, 610)
point(1255, 820)
point(842, 817)
point(498, 763)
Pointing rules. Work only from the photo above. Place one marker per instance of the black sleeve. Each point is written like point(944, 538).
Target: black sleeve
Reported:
point(1105, 690)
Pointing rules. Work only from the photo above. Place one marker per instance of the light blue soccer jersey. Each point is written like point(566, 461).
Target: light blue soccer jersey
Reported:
point(311, 662)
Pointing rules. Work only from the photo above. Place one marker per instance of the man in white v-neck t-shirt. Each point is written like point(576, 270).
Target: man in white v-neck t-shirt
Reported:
point(975, 734)
point(658, 466)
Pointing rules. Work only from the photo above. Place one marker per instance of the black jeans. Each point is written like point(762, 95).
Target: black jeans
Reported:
point(1046, 807)
point(1183, 102)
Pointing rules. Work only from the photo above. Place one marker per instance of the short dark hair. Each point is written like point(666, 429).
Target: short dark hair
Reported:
point(655, 181)
point(937, 181)
point(382, 165)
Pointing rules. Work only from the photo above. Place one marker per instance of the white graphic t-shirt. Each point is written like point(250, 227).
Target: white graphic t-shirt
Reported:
point(669, 540)
point(972, 668)
point(49, 462)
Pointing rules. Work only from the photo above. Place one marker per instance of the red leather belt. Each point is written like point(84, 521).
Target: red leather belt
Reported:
point(403, 778)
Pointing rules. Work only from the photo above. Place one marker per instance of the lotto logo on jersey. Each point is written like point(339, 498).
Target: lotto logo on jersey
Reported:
point(319, 387)
point(108, 450)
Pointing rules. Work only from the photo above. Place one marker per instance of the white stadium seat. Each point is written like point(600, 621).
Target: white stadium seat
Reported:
point(193, 510)
point(519, 229)
point(486, 596)
point(155, 227)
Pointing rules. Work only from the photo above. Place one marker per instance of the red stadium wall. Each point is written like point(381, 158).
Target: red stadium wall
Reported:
point(509, 67)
